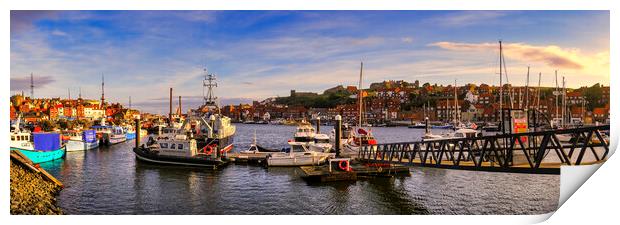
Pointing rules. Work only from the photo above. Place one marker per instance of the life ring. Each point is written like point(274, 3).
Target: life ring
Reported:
point(210, 147)
point(344, 165)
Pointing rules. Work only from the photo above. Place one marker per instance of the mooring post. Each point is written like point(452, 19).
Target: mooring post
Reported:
point(318, 124)
point(338, 134)
point(137, 133)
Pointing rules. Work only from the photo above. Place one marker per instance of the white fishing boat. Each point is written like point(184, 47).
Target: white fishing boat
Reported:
point(117, 135)
point(84, 140)
point(21, 138)
point(299, 155)
point(179, 149)
point(304, 133)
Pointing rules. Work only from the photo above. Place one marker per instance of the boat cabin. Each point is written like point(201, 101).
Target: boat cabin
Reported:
point(179, 146)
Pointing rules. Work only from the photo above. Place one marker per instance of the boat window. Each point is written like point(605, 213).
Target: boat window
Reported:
point(173, 146)
point(163, 145)
point(321, 140)
point(180, 146)
point(12, 138)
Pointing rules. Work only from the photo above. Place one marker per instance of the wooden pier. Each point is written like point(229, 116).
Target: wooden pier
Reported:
point(323, 173)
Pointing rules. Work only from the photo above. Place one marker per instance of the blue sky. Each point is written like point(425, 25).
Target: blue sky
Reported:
point(259, 54)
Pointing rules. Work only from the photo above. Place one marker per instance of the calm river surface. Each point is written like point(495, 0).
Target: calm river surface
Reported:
point(111, 181)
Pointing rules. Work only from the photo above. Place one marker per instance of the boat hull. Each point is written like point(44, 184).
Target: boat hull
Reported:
point(115, 139)
point(42, 156)
point(296, 160)
point(144, 154)
point(75, 145)
point(130, 136)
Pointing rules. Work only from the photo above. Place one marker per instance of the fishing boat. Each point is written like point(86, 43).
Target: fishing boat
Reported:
point(47, 147)
point(117, 135)
point(130, 132)
point(103, 132)
point(205, 135)
point(304, 132)
point(298, 155)
point(85, 140)
point(20, 138)
point(178, 150)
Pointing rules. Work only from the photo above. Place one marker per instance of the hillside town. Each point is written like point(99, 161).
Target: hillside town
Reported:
point(393, 101)
point(52, 113)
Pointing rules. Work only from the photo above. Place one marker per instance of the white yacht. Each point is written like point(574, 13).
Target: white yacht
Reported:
point(299, 155)
point(320, 143)
point(305, 132)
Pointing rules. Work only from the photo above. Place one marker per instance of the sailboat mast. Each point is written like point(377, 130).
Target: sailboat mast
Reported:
point(527, 89)
point(455, 105)
point(564, 116)
point(501, 86)
point(538, 93)
point(359, 96)
point(557, 93)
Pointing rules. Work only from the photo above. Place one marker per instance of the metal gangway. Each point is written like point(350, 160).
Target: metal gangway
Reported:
point(538, 152)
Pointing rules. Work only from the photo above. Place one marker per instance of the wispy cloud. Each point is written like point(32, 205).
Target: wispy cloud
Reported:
point(23, 83)
point(260, 54)
point(552, 55)
point(466, 18)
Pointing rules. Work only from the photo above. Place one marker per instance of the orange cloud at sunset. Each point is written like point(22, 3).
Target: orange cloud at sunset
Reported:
point(553, 56)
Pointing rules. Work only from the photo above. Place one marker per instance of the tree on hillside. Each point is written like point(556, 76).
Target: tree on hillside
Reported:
point(593, 96)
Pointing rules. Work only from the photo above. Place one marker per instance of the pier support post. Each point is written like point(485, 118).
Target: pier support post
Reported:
point(338, 134)
point(137, 133)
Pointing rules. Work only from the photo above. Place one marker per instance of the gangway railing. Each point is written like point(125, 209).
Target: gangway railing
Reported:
point(541, 152)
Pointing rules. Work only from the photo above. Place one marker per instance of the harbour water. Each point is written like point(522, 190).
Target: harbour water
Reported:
point(110, 180)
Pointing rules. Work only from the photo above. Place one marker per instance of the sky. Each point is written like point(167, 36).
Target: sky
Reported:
point(261, 54)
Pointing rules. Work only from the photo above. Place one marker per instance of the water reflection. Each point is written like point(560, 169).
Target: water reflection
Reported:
point(111, 180)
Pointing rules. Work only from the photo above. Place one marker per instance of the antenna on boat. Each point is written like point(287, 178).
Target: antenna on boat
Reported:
point(209, 83)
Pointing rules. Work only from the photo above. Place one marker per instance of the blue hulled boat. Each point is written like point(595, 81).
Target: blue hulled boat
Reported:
point(47, 147)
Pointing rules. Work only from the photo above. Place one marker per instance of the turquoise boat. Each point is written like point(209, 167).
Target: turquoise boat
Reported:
point(38, 156)
point(47, 147)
